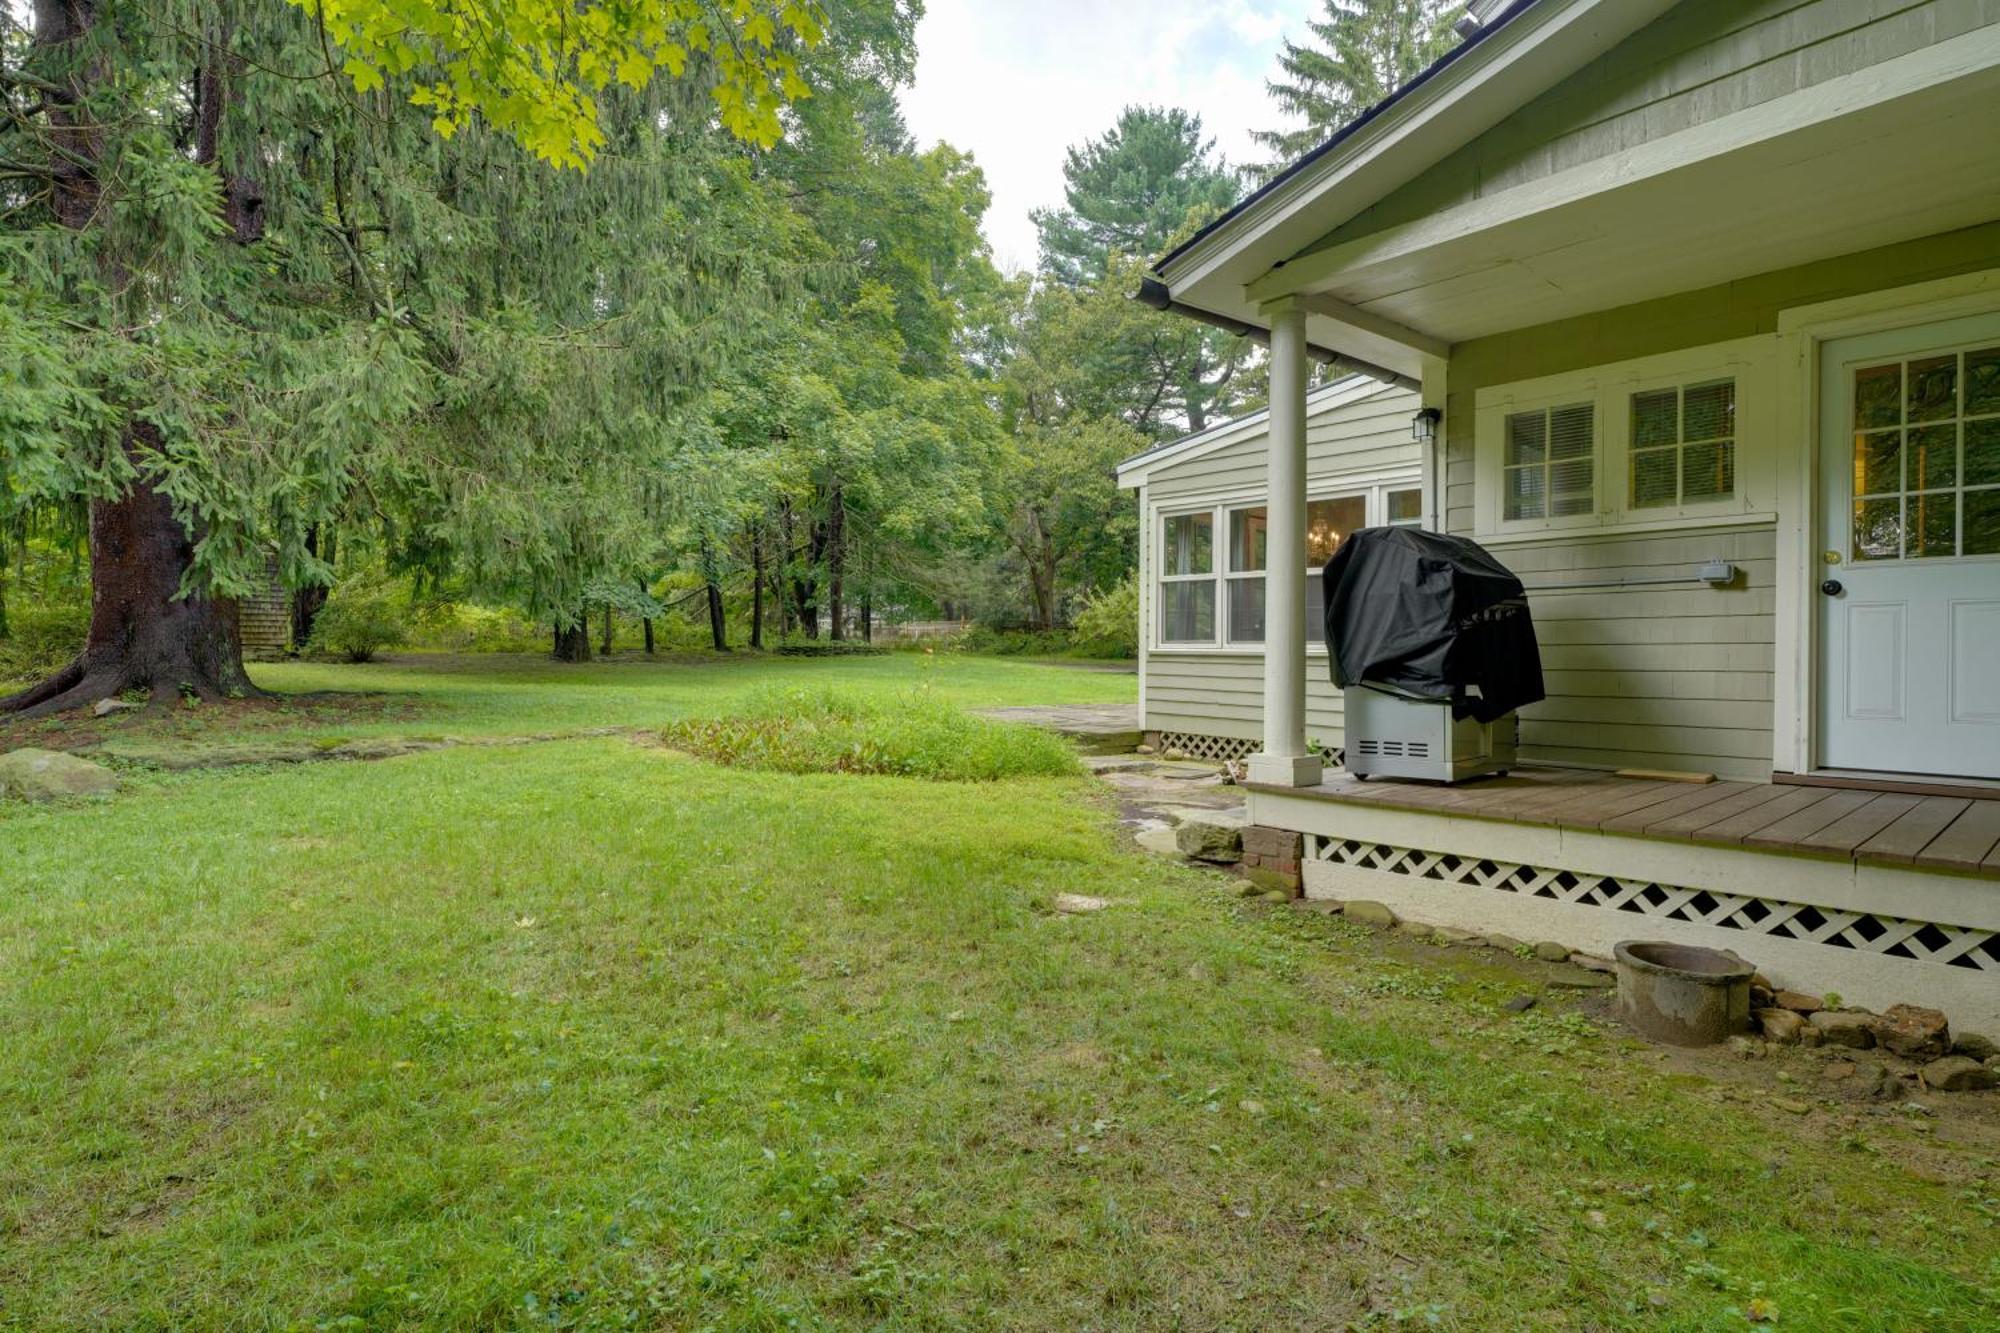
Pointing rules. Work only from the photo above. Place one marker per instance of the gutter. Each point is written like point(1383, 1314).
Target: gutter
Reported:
point(1152, 292)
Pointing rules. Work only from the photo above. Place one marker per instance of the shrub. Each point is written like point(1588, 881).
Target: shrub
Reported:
point(796, 647)
point(41, 641)
point(359, 620)
point(1108, 625)
point(463, 627)
point(915, 735)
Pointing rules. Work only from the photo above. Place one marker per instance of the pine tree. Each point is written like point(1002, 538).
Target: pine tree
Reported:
point(1363, 51)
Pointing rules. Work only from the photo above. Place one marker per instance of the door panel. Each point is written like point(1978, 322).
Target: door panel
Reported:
point(1909, 613)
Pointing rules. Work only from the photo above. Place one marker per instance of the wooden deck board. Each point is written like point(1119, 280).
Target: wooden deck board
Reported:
point(1846, 834)
point(1695, 823)
point(1916, 830)
point(1939, 832)
point(1969, 843)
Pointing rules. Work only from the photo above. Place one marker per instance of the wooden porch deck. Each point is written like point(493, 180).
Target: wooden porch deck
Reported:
point(1884, 828)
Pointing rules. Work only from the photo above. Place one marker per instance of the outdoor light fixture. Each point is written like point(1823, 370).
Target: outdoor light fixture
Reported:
point(1424, 425)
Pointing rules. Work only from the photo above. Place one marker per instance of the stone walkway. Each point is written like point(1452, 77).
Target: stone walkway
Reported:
point(1098, 728)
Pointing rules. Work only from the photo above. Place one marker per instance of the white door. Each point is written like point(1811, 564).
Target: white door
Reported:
point(1909, 610)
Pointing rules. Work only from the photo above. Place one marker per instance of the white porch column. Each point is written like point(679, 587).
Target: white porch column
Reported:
point(1284, 761)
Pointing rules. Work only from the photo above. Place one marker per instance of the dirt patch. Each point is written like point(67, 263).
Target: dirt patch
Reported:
point(200, 724)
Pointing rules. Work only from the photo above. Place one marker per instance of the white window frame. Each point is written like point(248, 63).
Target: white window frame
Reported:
point(1750, 362)
point(1373, 487)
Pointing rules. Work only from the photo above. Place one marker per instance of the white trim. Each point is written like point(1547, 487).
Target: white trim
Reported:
point(1751, 362)
point(1802, 330)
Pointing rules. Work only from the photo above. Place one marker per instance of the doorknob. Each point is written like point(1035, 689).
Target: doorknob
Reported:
point(1832, 588)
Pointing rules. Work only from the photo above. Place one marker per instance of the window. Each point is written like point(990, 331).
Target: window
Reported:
point(1550, 467)
point(1209, 602)
point(1249, 539)
point(1683, 445)
point(1187, 582)
point(1927, 457)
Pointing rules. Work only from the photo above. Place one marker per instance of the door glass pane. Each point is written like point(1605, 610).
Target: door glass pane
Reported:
point(1982, 522)
point(1248, 536)
point(1878, 396)
point(1246, 610)
point(1982, 382)
point(1327, 524)
point(1934, 524)
point(1878, 463)
point(1187, 612)
point(1933, 388)
point(1934, 457)
point(1878, 529)
point(1982, 452)
point(1190, 544)
point(1406, 508)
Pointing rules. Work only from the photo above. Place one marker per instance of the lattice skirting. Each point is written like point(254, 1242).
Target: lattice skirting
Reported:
point(1893, 937)
point(1219, 748)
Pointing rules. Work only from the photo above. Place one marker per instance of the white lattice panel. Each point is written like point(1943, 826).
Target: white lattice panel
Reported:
point(1893, 937)
point(1222, 749)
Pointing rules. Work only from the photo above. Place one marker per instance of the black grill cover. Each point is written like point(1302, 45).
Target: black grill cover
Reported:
point(1429, 616)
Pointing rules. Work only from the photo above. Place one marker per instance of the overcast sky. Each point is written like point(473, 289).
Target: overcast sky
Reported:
point(1018, 81)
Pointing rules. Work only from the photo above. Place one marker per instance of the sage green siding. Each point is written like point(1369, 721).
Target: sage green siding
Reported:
point(1702, 60)
point(1663, 677)
point(1221, 693)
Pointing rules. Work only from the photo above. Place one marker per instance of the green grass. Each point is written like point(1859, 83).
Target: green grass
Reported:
point(592, 1034)
point(916, 735)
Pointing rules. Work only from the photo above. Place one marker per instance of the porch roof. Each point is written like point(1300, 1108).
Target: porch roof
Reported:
point(1949, 833)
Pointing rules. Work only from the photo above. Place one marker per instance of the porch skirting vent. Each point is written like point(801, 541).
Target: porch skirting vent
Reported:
point(1893, 937)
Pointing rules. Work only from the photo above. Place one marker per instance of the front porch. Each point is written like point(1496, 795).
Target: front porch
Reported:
point(1883, 897)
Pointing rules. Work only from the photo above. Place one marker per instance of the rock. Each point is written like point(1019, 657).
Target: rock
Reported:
point(1790, 1106)
point(1974, 1046)
point(1748, 1048)
point(1912, 1031)
point(1506, 942)
point(47, 775)
point(1551, 952)
point(1873, 1083)
point(1144, 749)
point(1205, 840)
point(1835, 1070)
point(1780, 1025)
point(1761, 997)
point(1760, 980)
point(1798, 1001)
point(1463, 939)
point(1277, 895)
point(1839, 1027)
point(1175, 755)
point(1072, 904)
point(1250, 1106)
point(1960, 1073)
point(106, 707)
point(1566, 977)
point(1370, 914)
point(1318, 906)
point(1159, 841)
point(1520, 1004)
point(1591, 962)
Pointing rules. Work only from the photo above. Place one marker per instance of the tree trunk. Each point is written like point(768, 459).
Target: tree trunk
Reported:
point(836, 562)
point(648, 621)
point(309, 601)
point(718, 624)
point(143, 634)
point(604, 648)
point(573, 643)
point(756, 588)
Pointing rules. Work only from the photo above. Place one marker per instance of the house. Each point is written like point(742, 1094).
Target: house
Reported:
point(1201, 565)
point(1701, 304)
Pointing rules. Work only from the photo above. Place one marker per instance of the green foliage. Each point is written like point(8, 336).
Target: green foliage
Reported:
point(360, 619)
point(465, 627)
point(1110, 618)
point(533, 69)
point(827, 731)
point(1363, 50)
point(798, 646)
point(41, 640)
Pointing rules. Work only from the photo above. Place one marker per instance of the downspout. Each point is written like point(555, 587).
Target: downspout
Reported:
point(1152, 292)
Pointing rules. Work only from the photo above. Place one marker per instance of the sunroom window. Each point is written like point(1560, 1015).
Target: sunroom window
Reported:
point(1550, 469)
point(1249, 543)
point(1187, 579)
point(1684, 445)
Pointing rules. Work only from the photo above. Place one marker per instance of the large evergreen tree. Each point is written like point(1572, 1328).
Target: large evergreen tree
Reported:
point(1362, 50)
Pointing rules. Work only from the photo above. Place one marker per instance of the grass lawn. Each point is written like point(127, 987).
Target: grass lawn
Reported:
point(587, 1033)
